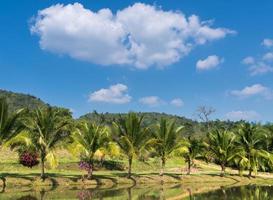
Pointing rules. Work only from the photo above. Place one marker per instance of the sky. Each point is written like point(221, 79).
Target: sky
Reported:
point(161, 56)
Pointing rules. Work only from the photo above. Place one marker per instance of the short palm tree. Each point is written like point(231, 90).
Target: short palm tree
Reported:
point(221, 146)
point(131, 136)
point(251, 139)
point(45, 129)
point(10, 124)
point(165, 140)
point(191, 151)
point(89, 138)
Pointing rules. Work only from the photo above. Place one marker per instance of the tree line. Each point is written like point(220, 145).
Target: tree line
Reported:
point(36, 135)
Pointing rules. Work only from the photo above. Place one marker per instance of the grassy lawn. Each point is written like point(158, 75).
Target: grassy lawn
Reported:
point(68, 173)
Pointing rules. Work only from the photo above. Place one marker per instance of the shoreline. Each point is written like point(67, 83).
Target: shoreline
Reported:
point(110, 180)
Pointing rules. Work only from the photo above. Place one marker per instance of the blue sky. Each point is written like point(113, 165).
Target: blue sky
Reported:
point(163, 56)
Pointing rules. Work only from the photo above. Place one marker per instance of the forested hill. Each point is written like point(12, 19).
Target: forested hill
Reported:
point(19, 100)
point(192, 127)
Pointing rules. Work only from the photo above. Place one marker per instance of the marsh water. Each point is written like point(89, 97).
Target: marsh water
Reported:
point(144, 192)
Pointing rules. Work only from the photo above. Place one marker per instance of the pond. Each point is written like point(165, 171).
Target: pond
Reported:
point(144, 192)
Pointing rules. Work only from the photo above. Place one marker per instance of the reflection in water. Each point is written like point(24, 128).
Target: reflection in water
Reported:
point(159, 192)
point(242, 192)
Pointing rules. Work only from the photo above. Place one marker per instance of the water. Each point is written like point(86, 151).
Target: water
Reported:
point(170, 192)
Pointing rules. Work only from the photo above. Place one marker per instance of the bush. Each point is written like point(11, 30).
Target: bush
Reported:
point(28, 159)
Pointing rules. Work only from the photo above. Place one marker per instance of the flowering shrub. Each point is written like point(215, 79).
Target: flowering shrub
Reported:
point(28, 159)
point(85, 165)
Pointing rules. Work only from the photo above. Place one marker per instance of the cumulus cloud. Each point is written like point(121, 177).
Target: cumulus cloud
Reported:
point(267, 42)
point(254, 90)
point(177, 102)
point(261, 66)
point(268, 56)
point(140, 35)
point(242, 115)
point(116, 94)
point(209, 63)
point(151, 101)
point(248, 60)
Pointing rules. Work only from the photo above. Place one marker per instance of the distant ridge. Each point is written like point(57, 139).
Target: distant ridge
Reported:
point(20, 100)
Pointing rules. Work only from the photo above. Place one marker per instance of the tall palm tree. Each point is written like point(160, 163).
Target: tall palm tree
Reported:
point(165, 141)
point(131, 136)
point(89, 138)
point(191, 151)
point(251, 139)
point(221, 146)
point(10, 124)
point(45, 129)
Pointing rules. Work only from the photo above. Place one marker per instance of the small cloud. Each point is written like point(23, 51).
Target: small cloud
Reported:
point(177, 102)
point(268, 56)
point(151, 101)
point(260, 68)
point(209, 63)
point(254, 90)
point(267, 42)
point(242, 115)
point(248, 60)
point(116, 94)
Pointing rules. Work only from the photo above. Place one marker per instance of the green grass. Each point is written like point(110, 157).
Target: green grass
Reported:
point(68, 173)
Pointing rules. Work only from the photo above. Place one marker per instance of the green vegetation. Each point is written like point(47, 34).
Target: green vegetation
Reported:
point(100, 143)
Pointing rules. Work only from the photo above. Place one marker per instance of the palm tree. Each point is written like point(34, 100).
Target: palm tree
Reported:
point(165, 140)
point(251, 139)
point(191, 151)
point(10, 124)
point(131, 136)
point(89, 138)
point(45, 129)
point(221, 146)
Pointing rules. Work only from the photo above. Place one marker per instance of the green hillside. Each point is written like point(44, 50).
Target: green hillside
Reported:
point(19, 100)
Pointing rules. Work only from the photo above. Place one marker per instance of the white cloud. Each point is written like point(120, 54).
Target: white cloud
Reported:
point(248, 60)
point(267, 42)
point(242, 115)
point(209, 63)
point(151, 101)
point(260, 68)
point(268, 56)
point(177, 102)
point(254, 90)
point(116, 94)
point(140, 35)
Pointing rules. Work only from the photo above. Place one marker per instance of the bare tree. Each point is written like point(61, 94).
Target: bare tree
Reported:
point(204, 113)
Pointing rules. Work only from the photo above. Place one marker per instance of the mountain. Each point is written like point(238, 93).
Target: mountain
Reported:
point(19, 100)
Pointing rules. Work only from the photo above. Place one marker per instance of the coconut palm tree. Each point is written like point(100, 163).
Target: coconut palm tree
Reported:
point(251, 140)
point(221, 146)
point(45, 129)
point(88, 139)
point(191, 151)
point(165, 140)
point(10, 124)
point(131, 136)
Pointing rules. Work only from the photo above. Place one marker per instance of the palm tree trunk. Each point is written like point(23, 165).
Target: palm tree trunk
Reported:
point(189, 166)
point(163, 162)
point(223, 169)
point(90, 169)
point(250, 173)
point(130, 160)
point(43, 169)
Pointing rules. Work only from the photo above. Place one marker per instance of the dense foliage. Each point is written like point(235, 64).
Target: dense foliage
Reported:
point(241, 145)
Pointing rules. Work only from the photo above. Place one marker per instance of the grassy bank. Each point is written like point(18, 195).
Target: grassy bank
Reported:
point(69, 174)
